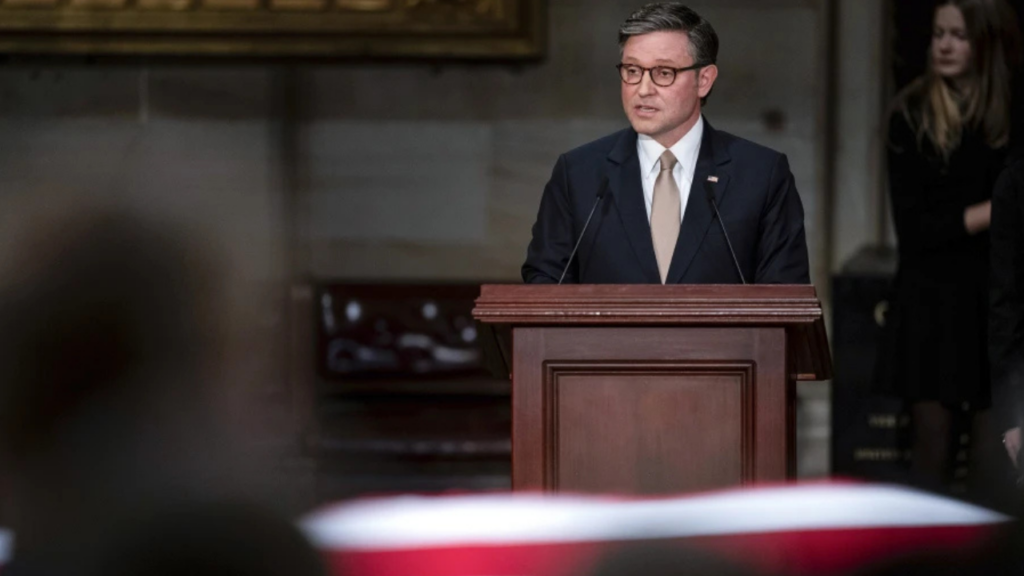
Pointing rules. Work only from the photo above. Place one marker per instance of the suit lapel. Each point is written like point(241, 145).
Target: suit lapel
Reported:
point(626, 189)
point(699, 214)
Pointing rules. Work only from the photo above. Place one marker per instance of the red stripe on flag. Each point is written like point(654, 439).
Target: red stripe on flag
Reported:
point(806, 553)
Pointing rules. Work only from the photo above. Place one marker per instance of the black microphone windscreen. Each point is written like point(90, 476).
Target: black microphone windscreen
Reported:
point(602, 188)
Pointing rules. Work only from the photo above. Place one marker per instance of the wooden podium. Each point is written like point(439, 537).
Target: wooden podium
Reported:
point(654, 389)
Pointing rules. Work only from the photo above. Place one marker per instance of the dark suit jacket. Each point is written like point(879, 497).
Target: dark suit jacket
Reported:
point(756, 196)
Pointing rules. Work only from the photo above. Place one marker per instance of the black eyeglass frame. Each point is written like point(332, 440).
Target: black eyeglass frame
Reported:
point(650, 72)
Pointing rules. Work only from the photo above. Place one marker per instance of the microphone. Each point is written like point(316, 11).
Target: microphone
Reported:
point(600, 194)
point(710, 191)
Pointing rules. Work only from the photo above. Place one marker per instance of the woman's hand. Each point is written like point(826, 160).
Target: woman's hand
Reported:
point(1011, 440)
point(977, 217)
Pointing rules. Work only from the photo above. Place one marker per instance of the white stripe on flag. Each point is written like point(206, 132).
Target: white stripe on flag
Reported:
point(416, 521)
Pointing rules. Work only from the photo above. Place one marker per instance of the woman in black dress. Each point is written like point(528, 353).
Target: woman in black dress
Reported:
point(947, 137)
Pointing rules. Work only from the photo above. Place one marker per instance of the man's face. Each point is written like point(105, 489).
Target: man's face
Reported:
point(665, 113)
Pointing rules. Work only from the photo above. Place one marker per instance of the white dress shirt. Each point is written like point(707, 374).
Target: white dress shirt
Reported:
point(685, 151)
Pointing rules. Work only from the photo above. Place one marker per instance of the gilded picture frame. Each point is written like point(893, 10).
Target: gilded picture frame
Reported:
point(461, 29)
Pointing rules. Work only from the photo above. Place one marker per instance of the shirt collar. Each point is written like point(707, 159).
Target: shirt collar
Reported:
point(685, 150)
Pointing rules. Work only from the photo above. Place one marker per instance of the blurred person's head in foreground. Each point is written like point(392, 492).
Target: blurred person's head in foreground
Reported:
point(113, 337)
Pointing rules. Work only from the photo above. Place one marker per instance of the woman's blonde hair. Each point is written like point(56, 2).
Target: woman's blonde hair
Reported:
point(939, 113)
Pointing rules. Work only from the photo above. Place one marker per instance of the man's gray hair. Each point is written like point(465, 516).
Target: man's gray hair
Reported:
point(662, 16)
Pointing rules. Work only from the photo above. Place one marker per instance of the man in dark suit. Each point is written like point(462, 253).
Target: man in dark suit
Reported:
point(656, 223)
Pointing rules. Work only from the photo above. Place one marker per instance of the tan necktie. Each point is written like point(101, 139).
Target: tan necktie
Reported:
point(665, 214)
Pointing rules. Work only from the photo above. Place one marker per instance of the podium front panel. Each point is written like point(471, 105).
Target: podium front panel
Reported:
point(649, 410)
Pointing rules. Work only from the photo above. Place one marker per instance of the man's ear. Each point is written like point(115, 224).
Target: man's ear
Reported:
point(706, 80)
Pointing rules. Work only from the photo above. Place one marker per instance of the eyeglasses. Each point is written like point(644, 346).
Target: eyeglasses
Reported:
point(662, 76)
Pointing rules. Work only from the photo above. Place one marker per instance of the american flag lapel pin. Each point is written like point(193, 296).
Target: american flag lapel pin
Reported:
point(712, 178)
